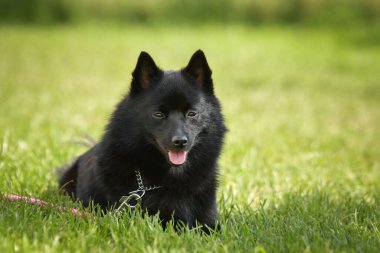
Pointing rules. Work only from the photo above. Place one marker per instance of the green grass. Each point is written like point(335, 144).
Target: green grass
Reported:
point(300, 169)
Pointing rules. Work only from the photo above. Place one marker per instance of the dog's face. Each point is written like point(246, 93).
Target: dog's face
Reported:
point(175, 108)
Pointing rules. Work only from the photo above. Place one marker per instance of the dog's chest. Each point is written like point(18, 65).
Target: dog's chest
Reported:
point(167, 205)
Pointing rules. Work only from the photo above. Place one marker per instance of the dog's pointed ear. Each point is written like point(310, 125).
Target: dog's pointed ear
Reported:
point(144, 72)
point(199, 70)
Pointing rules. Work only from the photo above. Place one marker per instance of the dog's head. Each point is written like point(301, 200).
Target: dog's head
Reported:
point(174, 106)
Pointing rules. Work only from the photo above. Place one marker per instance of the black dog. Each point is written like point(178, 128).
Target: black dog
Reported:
point(167, 132)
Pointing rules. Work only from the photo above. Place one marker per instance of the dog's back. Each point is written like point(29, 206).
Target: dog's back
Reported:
point(68, 178)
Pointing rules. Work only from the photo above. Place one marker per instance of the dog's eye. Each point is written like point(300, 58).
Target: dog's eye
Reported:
point(158, 115)
point(191, 114)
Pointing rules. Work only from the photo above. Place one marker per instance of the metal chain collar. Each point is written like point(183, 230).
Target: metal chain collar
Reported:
point(136, 194)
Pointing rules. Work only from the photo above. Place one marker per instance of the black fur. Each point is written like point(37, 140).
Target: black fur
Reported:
point(137, 138)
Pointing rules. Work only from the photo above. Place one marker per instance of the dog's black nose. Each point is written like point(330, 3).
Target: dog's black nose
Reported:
point(179, 141)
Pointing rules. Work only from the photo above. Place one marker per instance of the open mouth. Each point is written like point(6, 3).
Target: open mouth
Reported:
point(177, 157)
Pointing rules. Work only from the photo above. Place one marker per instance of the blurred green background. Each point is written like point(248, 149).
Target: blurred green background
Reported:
point(338, 12)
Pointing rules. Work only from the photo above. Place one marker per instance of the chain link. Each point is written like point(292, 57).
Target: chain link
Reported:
point(141, 185)
point(139, 180)
point(136, 194)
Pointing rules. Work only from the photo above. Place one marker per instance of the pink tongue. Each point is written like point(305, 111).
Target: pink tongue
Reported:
point(177, 158)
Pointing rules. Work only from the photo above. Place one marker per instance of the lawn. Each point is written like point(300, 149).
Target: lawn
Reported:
point(300, 170)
